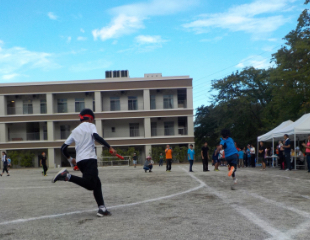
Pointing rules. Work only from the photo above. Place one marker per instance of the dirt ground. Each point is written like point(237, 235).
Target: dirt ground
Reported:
point(268, 204)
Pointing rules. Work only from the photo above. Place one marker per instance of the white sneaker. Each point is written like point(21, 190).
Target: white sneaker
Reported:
point(287, 169)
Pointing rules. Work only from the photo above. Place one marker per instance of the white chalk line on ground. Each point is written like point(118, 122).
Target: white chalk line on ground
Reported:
point(300, 228)
point(275, 233)
point(117, 206)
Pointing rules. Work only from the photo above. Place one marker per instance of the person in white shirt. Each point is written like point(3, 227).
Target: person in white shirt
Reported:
point(252, 151)
point(84, 137)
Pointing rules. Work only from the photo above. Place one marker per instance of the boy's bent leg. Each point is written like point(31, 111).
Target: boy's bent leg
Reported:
point(83, 182)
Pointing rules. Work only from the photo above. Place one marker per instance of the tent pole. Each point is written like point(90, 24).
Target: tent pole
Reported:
point(295, 149)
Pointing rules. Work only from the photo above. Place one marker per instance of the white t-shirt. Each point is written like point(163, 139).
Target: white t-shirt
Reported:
point(84, 140)
point(252, 150)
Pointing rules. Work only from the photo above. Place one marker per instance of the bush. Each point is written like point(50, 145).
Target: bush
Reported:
point(21, 158)
point(155, 153)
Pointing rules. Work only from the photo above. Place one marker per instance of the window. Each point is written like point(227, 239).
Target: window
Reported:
point(27, 107)
point(153, 128)
point(153, 102)
point(168, 101)
point(11, 107)
point(94, 104)
point(79, 104)
point(62, 105)
point(169, 128)
point(113, 129)
point(134, 129)
point(64, 131)
point(114, 104)
point(132, 103)
point(43, 105)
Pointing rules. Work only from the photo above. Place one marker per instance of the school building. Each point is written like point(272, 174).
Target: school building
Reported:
point(139, 112)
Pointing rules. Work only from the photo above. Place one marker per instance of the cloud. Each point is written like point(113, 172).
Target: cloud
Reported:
point(82, 30)
point(69, 39)
point(255, 61)
point(130, 18)
point(52, 16)
point(81, 38)
point(16, 59)
point(121, 25)
point(146, 39)
point(90, 65)
point(254, 18)
point(10, 76)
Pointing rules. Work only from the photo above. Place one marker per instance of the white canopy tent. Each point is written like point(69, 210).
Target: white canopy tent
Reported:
point(269, 136)
point(300, 129)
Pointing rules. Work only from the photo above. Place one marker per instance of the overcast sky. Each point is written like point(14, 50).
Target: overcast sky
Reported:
point(205, 39)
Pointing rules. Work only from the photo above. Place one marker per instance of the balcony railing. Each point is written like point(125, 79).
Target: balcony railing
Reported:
point(26, 110)
point(134, 133)
point(34, 136)
point(70, 108)
point(124, 134)
point(168, 131)
point(182, 103)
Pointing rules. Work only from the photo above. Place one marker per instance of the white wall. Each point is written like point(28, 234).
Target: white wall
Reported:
point(123, 99)
point(121, 128)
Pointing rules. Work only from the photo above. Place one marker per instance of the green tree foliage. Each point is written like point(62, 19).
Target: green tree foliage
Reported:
point(179, 153)
point(254, 101)
point(155, 153)
point(21, 158)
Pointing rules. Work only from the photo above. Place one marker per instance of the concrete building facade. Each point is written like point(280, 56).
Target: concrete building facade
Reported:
point(139, 112)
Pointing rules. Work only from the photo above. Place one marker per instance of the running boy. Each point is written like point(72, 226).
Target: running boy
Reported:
point(231, 153)
point(84, 137)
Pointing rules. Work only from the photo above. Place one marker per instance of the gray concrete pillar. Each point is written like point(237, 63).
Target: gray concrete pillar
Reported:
point(98, 102)
point(146, 99)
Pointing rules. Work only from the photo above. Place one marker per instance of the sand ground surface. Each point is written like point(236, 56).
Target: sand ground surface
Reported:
point(268, 204)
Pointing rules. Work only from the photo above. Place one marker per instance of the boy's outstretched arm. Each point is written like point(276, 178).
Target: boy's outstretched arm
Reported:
point(103, 142)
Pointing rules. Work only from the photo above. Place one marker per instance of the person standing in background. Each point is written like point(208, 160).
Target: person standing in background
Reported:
point(287, 152)
point(240, 154)
point(9, 164)
point(252, 150)
point(5, 164)
point(248, 156)
point(215, 159)
point(43, 164)
point(168, 152)
point(261, 153)
point(205, 157)
point(191, 157)
point(307, 146)
point(134, 159)
point(161, 159)
point(281, 155)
